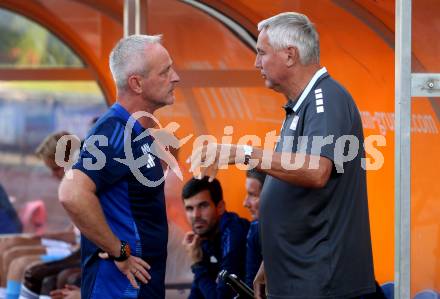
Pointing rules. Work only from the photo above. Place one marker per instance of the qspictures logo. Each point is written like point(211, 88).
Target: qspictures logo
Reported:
point(342, 149)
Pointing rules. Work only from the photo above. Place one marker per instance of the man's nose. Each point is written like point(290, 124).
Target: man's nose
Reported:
point(257, 62)
point(197, 213)
point(246, 202)
point(175, 77)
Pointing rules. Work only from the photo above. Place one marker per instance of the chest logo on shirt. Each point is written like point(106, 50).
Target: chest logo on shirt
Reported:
point(146, 151)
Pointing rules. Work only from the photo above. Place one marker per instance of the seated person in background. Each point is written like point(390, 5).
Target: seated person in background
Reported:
point(9, 222)
point(67, 292)
point(217, 241)
point(19, 253)
point(254, 184)
point(178, 263)
point(41, 278)
point(41, 248)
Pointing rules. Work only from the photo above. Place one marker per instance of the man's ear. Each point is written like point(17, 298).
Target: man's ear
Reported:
point(292, 56)
point(134, 83)
point(221, 207)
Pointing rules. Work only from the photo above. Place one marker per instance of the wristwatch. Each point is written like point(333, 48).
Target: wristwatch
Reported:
point(124, 252)
point(247, 153)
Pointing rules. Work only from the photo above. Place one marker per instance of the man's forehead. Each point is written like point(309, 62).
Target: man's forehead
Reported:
point(157, 50)
point(155, 47)
point(199, 198)
point(158, 57)
point(263, 40)
point(252, 183)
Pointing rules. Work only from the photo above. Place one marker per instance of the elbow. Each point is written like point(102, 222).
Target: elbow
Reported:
point(321, 176)
point(320, 180)
point(65, 197)
point(319, 183)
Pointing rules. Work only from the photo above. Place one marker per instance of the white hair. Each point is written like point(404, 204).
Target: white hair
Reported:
point(128, 57)
point(293, 29)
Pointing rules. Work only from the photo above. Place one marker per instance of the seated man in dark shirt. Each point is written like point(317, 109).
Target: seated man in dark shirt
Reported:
point(254, 184)
point(9, 221)
point(217, 241)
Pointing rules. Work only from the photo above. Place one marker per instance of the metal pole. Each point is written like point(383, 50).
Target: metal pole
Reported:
point(129, 17)
point(137, 17)
point(402, 275)
point(141, 16)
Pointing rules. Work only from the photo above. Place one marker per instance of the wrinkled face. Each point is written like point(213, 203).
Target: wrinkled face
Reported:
point(270, 62)
point(202, 213)
point(252, 199)
point(57, 171)
point(158, 84)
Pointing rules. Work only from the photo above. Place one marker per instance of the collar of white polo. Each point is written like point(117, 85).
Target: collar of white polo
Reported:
point(296, 105)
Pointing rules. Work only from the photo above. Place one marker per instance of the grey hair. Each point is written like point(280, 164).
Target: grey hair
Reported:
point(128, 57)
point(293, 29)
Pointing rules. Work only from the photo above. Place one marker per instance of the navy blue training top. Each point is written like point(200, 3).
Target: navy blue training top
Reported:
point(226, 251)
point(135, 213)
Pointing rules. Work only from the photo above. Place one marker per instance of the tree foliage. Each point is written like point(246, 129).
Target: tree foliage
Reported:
point(24, 43)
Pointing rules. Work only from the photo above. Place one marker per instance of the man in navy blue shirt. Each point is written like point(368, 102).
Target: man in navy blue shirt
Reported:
point(9, 222)
point(118, 206)
point(254, 185)
point(314, 226)
point(218, 239)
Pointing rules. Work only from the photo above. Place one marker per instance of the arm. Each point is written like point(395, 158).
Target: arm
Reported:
point(66, 236)
point(233, 260)
point(77, 195)
point(322, 129)
point(260, 283)
point(253, 254)
point(304, 176)
point(204, 285)
point(191, 242)
point(195, 292)
point(207, 285)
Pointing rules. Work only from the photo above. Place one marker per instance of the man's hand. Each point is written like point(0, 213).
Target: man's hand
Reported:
point(191, 242)
point(207, 159)
point(133, 268)
point(260, 283)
